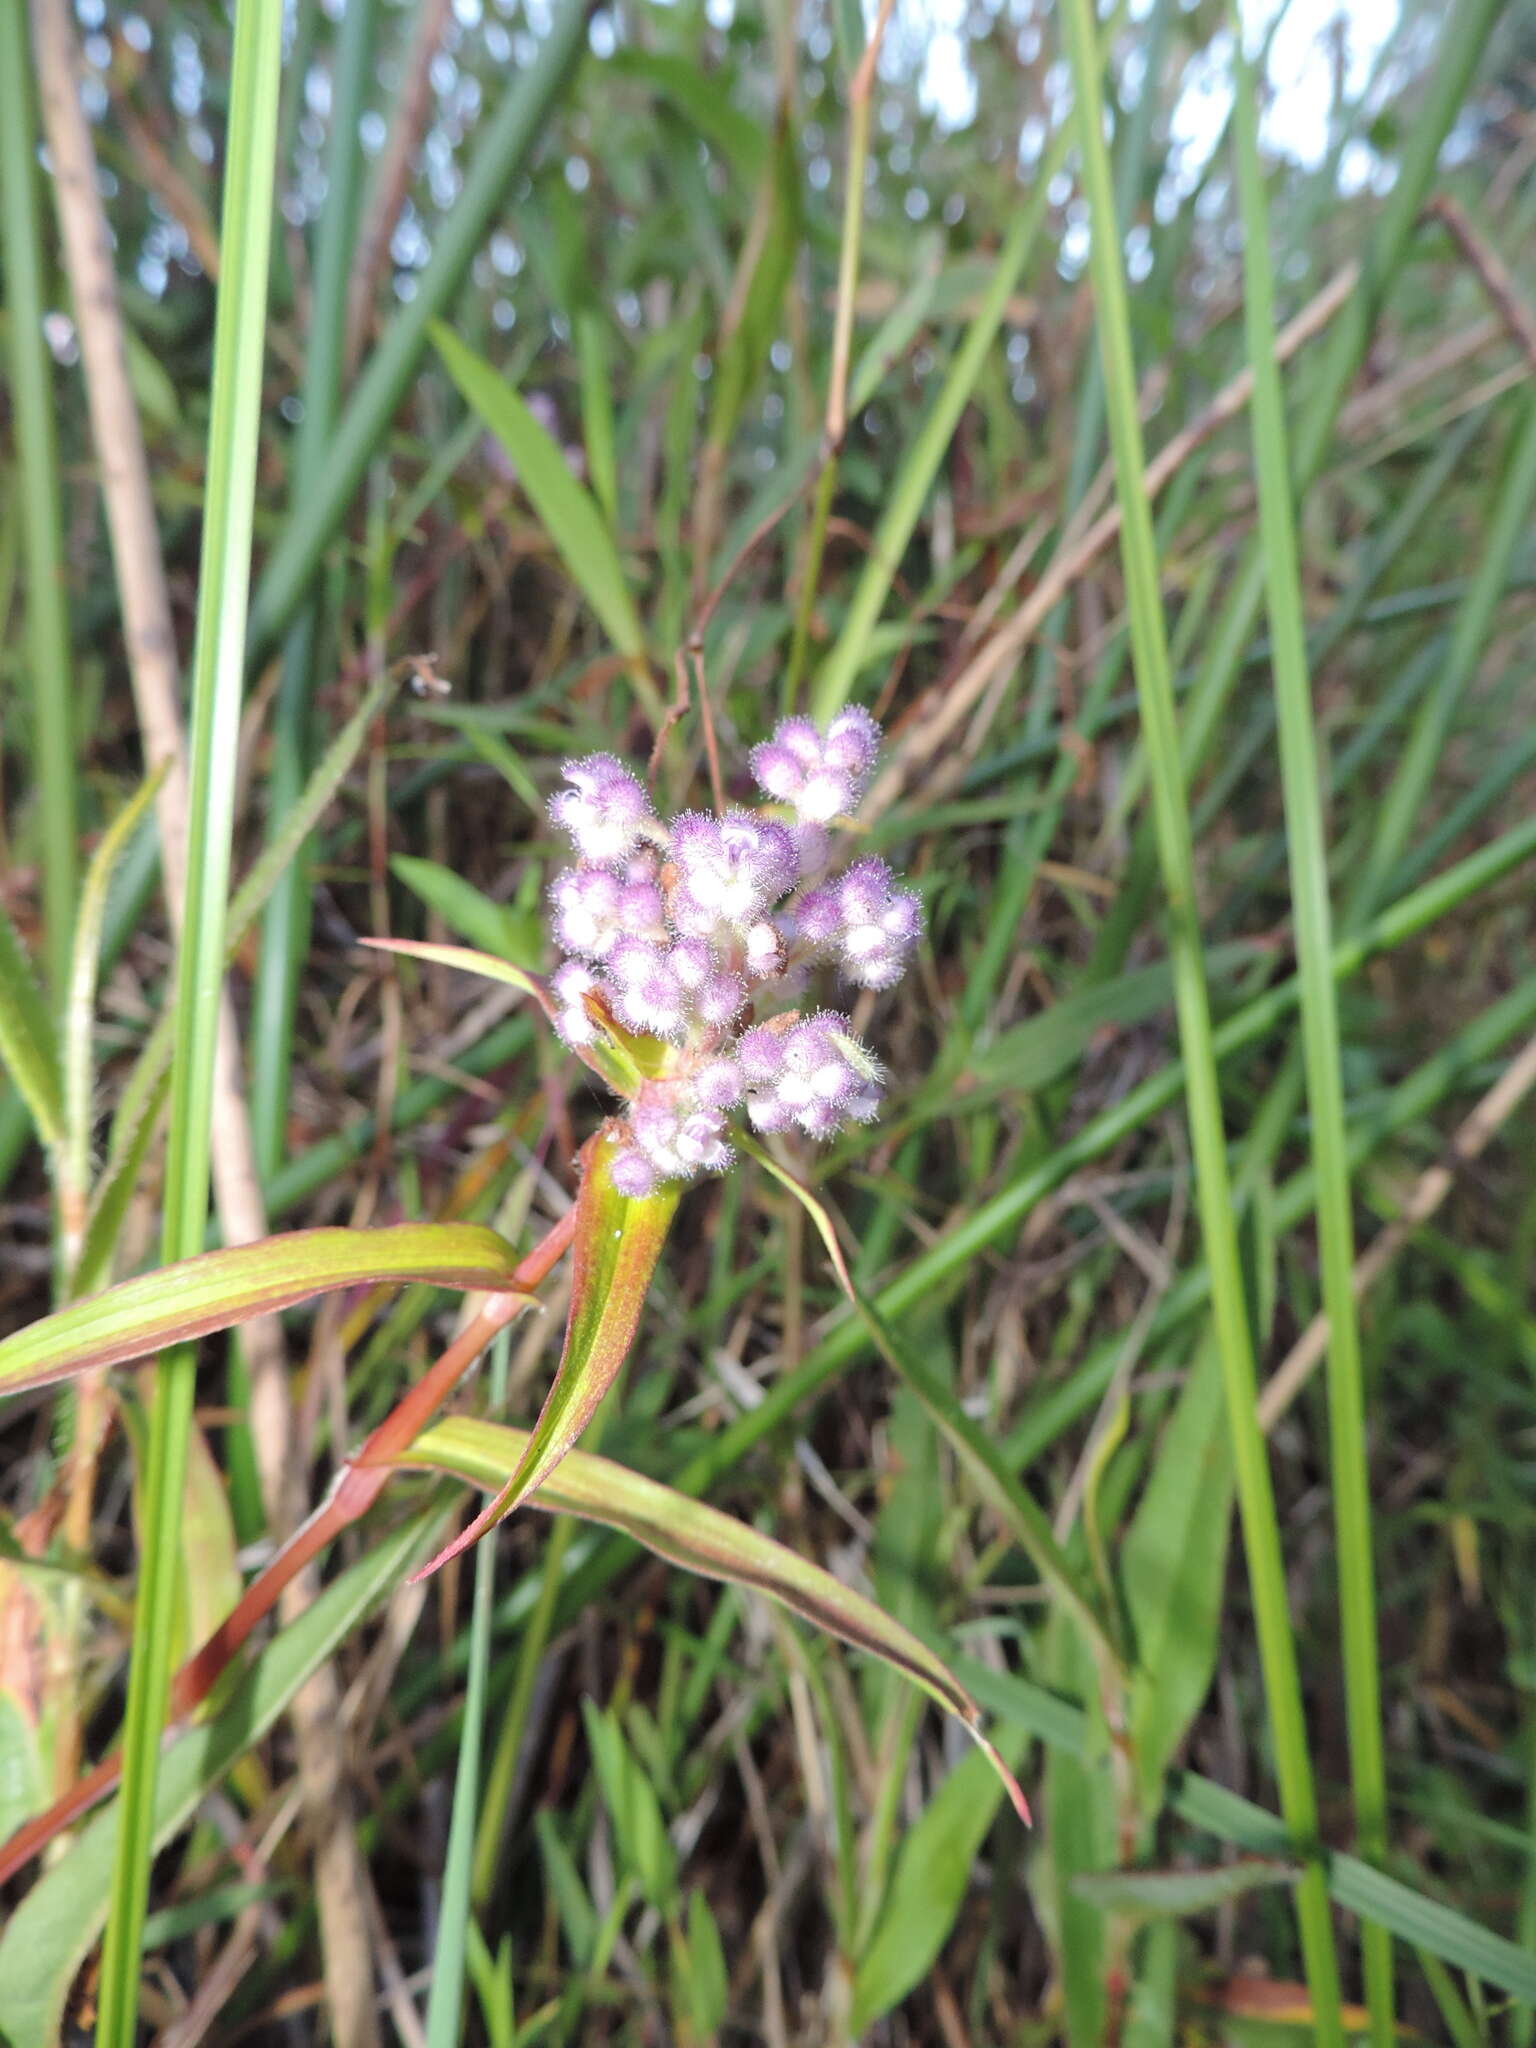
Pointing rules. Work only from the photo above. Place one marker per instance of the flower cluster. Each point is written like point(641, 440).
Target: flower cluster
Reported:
point(695, 933)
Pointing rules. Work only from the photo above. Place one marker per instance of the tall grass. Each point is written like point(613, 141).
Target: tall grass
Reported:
point(218, 669)
point(1170, 815)
point(802, 400)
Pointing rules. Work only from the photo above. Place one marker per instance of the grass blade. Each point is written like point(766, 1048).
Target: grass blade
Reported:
point(215, 1290)
point(1160, 729)
point(42, 530)
point(50, 1932)
point(567, 510)
point(29, 1049)
point(445, 2002)
point(700, 1539)
point(1312, 916)
point(218, 669)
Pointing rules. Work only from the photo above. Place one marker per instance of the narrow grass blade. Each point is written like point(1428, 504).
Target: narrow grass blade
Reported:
point(699, 1539)
point(617, 1243)
point(1312, 917)
point(218, 668)
point(215, 1290)
point(80, 1013)
point(1160, 729)
point(446, 1999)
point(42, 530)
point(933, 1870)
point(1014, 1507)
point(566, 509)
point(285, 930)
point(487, 965)
point(1213, 1809)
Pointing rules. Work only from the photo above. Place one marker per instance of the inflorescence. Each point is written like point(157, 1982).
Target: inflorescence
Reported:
point(697, 932)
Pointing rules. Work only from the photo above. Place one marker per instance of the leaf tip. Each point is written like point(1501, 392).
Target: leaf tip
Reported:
point(1011, 1784)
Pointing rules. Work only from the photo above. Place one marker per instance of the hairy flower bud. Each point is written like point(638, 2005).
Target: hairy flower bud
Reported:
point(692, 933)
point(603, 810)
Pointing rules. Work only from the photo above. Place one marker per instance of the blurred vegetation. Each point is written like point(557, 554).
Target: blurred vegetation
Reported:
point(691, 1822)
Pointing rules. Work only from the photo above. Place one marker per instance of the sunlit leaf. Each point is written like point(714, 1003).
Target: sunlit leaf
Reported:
point(489, 966)
point(701, 1539)
point(218, 1289)
point(617, 1243)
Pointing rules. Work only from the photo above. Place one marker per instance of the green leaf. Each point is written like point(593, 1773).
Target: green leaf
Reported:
point(565, 508)
point(1079, 1835)
point(1213, 1810)
point(53, 1928)
point(744, 349)
point(506, 934)
point(80, 1008)
point(573, 1904)
point(701, 1980)
point(699, 1539)
point(933, 1868)
point(698, 97)
point(1165, 1893)
point(1173, 1564)
point(618, 1241)
point(217, 1289)
point(645, 1849)
point(23, 1779)
point(28, 1046)
point(488, 965)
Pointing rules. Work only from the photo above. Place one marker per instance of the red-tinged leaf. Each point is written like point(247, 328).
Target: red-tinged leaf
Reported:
point(812, 1205)
point(614, 1252)
point(701, 1539)
point(218, 1289)
point(487, 965)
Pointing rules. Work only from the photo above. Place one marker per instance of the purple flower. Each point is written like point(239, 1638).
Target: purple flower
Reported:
point(644, 990)
point(570, 983)
point(604, 810)
point(693, 936)
point(820, 775)
point(818, 917)
point(817, 1076)
point(594, 909)
point(879, 924)
point(718, 1084)
point(730, 869)
point(632, 1173)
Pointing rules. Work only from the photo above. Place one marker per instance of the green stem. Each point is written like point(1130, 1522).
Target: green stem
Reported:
point(1170, 817)
point(218, 666)
point(37, 451)
point(1312, 916)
